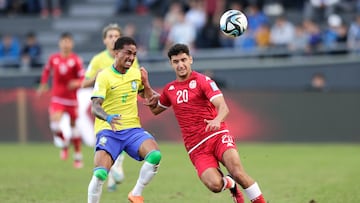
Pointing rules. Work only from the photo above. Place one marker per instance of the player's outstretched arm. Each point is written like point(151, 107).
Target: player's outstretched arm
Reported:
point(87, 82)
point(156, 109)
point(41, 89)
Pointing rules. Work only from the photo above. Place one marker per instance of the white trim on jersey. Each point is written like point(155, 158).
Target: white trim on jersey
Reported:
point(205, 139)
point(63, 101)
point(213, 97)
point(165, 107)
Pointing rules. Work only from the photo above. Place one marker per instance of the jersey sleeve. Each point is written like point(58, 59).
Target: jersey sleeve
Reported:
point(164, 100)
point(101, 86)
point(210, 88)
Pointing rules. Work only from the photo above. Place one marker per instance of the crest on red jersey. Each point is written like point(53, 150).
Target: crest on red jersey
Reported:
point(192, 84)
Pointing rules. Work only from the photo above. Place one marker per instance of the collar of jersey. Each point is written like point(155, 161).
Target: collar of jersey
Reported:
point(117, 72)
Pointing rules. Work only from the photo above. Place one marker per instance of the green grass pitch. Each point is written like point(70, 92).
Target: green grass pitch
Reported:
point(296, 173)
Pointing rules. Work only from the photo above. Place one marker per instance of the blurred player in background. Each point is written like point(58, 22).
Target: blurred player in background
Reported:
point(67, 71)
point(205, 134)
point(117, 124)
point(100, 61)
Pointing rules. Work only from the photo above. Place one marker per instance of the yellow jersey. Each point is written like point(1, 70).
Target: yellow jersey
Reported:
point(100, 61)
point(120, 93)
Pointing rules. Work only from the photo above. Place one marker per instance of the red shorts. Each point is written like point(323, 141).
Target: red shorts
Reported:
point(71, 110)
point(209, 153)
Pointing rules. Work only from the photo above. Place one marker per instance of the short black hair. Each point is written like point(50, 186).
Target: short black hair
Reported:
point(121, 41)
point(178, 49)
point(66, 35)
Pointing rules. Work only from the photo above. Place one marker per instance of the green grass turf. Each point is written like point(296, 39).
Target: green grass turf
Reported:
point(296, 173)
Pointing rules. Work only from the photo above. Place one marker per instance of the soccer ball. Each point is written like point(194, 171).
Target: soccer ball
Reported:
point(233, 23)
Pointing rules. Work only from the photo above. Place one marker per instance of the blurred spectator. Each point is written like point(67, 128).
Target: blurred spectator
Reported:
point(255, 17)
point(3, 7)
point(211, 7)
point(281, 33)
point(31, 52)
point(318, 83)
point(335, 35)
point(209, 34)
point(157, 35)
point(15, 7)
point(314, 36)
point(131, 6)
point(246, 41)
point(10, 49)
point(299, 45)
point(353, 39)
point(319, 10)
point(236, 5)
point(51, 6)
point(130, 30)
point(182, 32)
point(173, 14)
point(196, 14)
point(19, 7)
point(33, 6)
point(262, 36)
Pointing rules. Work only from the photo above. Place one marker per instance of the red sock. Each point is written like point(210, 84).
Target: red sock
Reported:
point(259, 199)
point(77, 144)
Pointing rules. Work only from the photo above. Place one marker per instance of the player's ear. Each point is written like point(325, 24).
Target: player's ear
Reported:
point(191, 59)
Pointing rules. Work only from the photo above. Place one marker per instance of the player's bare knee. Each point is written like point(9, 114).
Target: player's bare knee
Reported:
point(214, 186)
point(213, 183)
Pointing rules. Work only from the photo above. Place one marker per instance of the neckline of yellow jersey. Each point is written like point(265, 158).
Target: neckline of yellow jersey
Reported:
point(116, 71)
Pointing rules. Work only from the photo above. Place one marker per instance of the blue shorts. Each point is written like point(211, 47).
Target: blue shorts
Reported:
point(128, 140)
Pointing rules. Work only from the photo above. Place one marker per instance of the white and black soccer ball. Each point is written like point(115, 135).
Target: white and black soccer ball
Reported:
point(233, 23)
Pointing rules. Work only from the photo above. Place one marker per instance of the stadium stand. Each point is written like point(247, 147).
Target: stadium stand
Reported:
point(85, 19)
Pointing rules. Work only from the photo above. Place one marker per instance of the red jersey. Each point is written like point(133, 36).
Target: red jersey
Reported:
point(63, 70)
point(191, 101)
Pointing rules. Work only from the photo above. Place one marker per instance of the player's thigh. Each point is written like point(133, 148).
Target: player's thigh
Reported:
point(232, 163)
point(73, 113)
point(147, 146)
point(139, 143)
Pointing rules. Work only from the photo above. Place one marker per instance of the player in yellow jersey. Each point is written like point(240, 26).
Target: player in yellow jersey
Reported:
point(117, 124)
point(100, 61)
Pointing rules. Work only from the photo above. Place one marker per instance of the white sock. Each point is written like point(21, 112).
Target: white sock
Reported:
point(253, 191)
point(119, 161)
point(147, 172)
point(94, 190)
point(110, 180)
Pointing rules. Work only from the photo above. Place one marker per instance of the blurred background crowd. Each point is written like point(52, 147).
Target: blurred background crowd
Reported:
point(297, 27)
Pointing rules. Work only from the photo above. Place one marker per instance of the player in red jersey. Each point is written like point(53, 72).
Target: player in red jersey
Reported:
point(200, 110)
point(67, 71)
